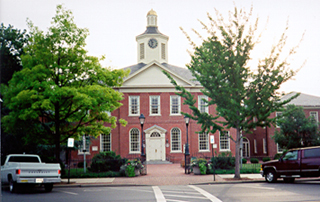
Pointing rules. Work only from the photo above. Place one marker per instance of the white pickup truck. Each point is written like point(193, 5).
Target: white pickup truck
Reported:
point(20, 169)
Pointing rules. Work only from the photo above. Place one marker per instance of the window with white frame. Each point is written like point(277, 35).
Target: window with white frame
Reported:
point(202, 104)
point(255, 146)
point(175, 105)
point(84, 143)
point(278, 114)
point(264, 145)
point(175, 140)
point(134, 105)
point(224, 141)
point(134, 140)
point(203, 142)
point(314, 114)
point(105, 142)
point(279, 149)
point(154, 105)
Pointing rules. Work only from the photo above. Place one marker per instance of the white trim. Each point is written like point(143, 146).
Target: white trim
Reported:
point(264, 142)
point(101, 142)
point(206, 108)
point(227, 138)
point(278, 114)
point(207, 141)
point(130, 105)
point(179, 141)
point(139, 142)
point(255, 146)
point(279, 150)
point(316, 116)
point(150, 105)
point(179, 105)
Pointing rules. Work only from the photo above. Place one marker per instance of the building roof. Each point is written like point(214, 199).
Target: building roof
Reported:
point(303, 100)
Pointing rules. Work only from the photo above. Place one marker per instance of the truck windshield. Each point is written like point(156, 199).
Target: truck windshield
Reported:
point(24, 159)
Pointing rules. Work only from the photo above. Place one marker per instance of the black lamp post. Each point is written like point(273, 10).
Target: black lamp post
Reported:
point(142, 119)
point(186, 153)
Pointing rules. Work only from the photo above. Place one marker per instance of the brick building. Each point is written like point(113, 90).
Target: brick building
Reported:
point(148, 91)
point(259, 143)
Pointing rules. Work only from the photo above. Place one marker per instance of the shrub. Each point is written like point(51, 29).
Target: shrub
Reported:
point(264, 159)
point(244, 161)
point(277, 156)
point(223, 161)
point(130, 170)
point(254, 160)
point(203, 168)
point(106, 161)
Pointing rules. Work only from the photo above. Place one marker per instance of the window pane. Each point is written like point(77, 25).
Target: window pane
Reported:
point(134, 140)
point(224, 141)
point(175, 139)
point(203, 141)
point(134, 104)
point(105, 142)
point(175, 105)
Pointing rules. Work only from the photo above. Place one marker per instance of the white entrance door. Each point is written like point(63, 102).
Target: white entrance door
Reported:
point(154, 148)
point(245, 148)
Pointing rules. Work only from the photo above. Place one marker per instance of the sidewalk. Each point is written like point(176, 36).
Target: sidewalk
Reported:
point(165, 174)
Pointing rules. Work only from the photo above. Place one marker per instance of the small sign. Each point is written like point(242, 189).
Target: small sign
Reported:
point(94, 148)
point(70, 142)
point(214, 146)
point(212, 139)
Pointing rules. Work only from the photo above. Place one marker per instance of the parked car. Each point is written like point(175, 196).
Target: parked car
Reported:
point(22, 169)
point(295, 163)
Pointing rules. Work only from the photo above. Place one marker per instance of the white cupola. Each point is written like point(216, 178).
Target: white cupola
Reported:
point(152, 45)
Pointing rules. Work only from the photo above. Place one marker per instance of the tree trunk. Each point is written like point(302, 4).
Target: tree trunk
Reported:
point(57, 133)
point(237, 160)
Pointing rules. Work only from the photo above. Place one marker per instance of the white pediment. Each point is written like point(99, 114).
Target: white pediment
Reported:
point(152, 75)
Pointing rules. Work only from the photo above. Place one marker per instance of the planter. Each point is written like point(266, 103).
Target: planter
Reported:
point(196, 170)
point(137, 171)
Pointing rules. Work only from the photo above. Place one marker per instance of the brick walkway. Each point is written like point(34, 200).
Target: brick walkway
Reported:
point(166, 174)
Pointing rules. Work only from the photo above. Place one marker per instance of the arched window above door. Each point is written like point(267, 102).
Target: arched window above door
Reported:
point(155, 134)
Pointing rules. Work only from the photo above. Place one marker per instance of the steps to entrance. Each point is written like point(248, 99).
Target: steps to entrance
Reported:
point(158, 162)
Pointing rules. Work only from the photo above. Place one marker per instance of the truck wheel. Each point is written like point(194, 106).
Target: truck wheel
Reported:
point(48, 187)
point(270, 176)
point(12, 186)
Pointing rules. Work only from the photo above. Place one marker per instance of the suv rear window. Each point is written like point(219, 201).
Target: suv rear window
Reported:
point(311, 153)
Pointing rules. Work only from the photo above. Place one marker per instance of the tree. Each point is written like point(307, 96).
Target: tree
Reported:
point(296, 130)
point(63, 91)
point(239, 93)
point(12, 42)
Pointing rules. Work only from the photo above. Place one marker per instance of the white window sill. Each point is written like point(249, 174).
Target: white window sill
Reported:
point(204, 150)
point(154, 114)
point(176, 151)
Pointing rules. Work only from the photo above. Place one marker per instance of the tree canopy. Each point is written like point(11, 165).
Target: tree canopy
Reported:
point(12, 42)
point(240, 93)
point(296, 130)
point(61, 91)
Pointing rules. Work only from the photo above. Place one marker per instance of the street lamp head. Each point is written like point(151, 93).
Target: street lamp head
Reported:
point(186, 119)
point(141, 119)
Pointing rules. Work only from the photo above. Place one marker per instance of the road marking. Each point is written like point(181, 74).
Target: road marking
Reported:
point(270, 188)
point(206, 194)
point(158, 194)
point(180, 192)
point(186, 196)
point(67, 192)
point(176, 200)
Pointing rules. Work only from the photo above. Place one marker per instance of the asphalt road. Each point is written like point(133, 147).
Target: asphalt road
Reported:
point(299, 191)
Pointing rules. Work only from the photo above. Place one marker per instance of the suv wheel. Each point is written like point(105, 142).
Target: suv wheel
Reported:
point(270, 176)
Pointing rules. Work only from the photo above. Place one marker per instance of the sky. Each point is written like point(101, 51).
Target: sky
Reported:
point(114, 24)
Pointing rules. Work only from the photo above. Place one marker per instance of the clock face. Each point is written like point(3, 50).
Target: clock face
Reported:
point(153, 43)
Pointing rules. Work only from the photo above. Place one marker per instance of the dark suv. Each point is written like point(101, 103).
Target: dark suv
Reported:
point(301, 162)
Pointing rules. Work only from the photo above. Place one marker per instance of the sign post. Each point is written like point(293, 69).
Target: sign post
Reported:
point(70, 145)
point(214, 146)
